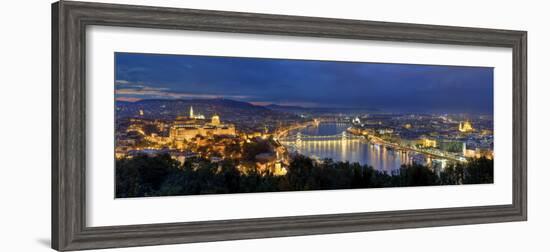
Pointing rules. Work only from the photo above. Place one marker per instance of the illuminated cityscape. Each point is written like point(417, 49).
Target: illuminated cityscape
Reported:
point(242, 139)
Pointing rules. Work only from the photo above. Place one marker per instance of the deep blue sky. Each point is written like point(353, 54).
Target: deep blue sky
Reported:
point(388, 87)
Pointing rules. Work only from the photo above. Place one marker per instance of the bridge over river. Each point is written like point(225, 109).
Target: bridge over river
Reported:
point(345, 137)
point(299, 137)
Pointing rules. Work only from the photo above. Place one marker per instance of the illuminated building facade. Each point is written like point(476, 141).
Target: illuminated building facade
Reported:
point(428, 143)
point(183, 130)
point(465, 127)
point(216, 120)
point(479, 153)
point(192, 115)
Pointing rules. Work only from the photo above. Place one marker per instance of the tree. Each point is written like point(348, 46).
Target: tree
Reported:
point(250, 150)
point(298, 172)
point(142, 175)
point(161, 175)
point(417, 175)
point(479, 171)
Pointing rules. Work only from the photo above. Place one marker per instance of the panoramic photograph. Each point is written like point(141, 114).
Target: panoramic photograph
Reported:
point(195, 125)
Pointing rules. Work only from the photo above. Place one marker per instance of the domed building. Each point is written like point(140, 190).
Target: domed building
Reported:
point(183, 131)
point(216, 120)
point(465, 127)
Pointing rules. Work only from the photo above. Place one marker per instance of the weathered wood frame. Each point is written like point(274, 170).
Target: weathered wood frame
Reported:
point(69, 21)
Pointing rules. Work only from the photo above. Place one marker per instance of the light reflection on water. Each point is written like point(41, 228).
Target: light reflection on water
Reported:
point(359, 151)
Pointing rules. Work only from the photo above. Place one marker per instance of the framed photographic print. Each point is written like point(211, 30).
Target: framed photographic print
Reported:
point(177, 125)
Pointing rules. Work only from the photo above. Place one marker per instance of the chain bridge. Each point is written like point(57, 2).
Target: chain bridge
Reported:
point(299, 137)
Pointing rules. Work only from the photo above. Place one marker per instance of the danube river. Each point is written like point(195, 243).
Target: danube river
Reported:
point(359, 151)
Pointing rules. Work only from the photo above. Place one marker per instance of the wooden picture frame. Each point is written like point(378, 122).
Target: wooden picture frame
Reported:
point(69, 20)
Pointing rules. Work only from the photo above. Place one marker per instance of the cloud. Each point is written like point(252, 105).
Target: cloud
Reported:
point(128, 99)
point(261, 103)
point(122, 82)
point(129, 91)
point(286, 103)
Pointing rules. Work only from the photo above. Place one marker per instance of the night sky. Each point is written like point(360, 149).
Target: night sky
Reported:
point(386, 87)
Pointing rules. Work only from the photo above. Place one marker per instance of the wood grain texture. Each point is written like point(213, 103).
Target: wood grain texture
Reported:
point(69, 20)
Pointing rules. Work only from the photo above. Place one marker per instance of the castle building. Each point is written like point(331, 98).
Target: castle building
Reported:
point(192, 115)
point(216, 120)
point(185, 130)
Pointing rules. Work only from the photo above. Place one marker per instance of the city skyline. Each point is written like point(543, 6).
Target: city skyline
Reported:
point(209, 125)
point(306, 83)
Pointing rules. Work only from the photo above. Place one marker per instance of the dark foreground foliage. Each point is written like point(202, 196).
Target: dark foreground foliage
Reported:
point(144, 176)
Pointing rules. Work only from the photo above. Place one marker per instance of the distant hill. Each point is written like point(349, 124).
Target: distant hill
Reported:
point(167, 109)
point(298, 109)
point(285, 108)
point(231, 110)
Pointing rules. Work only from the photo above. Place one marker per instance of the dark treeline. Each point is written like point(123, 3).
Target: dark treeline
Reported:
point(144, 176)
